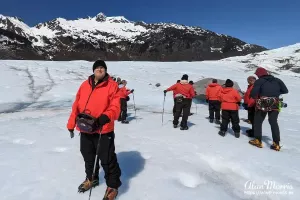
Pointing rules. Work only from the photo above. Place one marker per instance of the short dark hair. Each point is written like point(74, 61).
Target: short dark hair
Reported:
point(214, 80)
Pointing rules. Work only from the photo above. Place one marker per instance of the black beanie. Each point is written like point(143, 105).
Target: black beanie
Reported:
point(99, 63)
point(185, 77)
point(229, 83)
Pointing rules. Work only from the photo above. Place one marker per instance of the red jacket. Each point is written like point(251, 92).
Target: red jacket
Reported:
point(212, 91)
point(183, 88)
point(229, 98)
point(104, 99)
point(247, 99)
point(124, 92)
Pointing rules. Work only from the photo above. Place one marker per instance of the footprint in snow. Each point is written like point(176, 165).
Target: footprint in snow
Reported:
point(23, 141)
point(189, 180)
point(290, 129)
point(60, 149)
point(147, 156)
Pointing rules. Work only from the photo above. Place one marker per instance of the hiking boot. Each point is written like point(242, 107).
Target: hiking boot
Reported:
point(211, 120)
point(256, 143)
point(110, 194)
point(237, 134)
point(275, 146)
point(175, 125)
point(222, 133)
point(248, 121)
point(218, 122)
point(184, 128)
point(125, 122)
point(87, 184)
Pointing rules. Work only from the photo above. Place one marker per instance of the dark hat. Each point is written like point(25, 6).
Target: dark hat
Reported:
point(214, 80)
point(229, 83)
point(185, 77)
point(99, 63)
point(178, 81)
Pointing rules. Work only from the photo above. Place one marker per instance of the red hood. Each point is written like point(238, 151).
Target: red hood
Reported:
point(226, 90)
point(213, 85)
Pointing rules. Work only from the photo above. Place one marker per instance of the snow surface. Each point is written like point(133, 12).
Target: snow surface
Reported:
point(38, 159)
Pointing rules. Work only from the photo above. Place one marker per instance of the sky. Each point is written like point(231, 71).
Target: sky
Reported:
point(269, 23)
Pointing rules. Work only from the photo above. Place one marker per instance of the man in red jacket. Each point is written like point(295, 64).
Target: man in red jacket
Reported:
point(214, 105)
point(124, 92)
point(184, 94)
point(249, 104)
point(230, 101)
point(96, 107)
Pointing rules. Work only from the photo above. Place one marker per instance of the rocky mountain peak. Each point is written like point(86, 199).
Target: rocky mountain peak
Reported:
point(100, 17)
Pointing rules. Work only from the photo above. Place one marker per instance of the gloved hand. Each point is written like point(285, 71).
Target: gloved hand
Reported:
point(132, 91)
point(239, 103)
point(71, 133)
point(245, 106)
point(206, 100)
point(165, 91)
point(102, 120)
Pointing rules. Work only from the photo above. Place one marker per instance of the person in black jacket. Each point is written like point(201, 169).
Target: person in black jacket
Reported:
point(266, 92)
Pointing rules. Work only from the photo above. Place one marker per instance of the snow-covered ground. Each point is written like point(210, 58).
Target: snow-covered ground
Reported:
point(39, 160)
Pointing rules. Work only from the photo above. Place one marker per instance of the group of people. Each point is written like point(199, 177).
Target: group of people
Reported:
point(102, 99)
point(261, 98)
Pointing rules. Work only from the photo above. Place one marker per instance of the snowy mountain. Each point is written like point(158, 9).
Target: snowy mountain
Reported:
point(117, 38)
point(39, 160)
point(281, 60)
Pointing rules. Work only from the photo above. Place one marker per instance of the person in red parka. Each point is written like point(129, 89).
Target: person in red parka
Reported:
point(184, 94)
point(96, 107)
point(249, 104)
point(124, 92)
point(214, 105)
point(230, 100)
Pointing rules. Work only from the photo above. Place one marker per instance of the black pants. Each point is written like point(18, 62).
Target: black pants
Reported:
point(251, 114)
point(258, 121)
point(233, 116)
point(214, 107)
point(123, 113)
point(184, 107)
point(109, 163)
point(174, 107)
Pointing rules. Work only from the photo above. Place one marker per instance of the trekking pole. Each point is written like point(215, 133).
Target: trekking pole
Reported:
point(134, 107)
point(162, 120)
point(196, 108)
point(95, 162)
